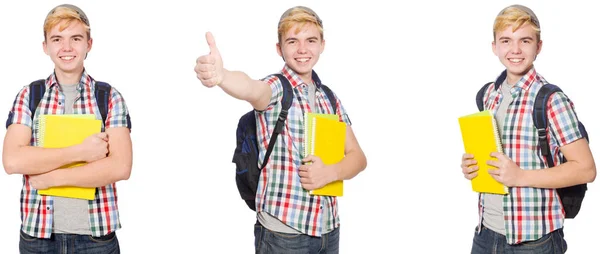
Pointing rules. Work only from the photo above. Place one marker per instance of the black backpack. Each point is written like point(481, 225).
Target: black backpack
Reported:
point(38, 88)
point(245, 156)
point(571, 197)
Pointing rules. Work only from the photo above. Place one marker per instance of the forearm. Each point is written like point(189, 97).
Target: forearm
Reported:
point(240, 86)
point(31, 160)
point(352, 164)
point(564, 175)
point(95, 174)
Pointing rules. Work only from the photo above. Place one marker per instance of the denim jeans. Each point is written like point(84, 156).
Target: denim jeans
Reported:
point(269, 242)
point(490, 242)
point(67, 244)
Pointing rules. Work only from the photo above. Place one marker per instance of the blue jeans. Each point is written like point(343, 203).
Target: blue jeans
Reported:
point(490, 242)
point(67, 244)
point(269, 242)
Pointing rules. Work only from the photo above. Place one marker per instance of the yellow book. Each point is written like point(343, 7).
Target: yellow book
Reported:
point(481, 137)
point(325, 138)
point(58, 131)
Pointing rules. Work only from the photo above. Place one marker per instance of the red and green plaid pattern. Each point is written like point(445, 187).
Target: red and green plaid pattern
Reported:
point(279, 190)
point(530, 213)
point(36, 210)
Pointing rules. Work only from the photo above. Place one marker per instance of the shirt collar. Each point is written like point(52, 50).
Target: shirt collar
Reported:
point(295, 79)
point(524, 82)
point(85, 80)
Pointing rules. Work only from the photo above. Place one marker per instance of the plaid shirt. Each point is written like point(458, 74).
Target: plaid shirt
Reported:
point(530, 213)
point(36, 210)
point(279, 191)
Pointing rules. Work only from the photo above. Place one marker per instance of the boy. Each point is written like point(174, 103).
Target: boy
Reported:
point(288, 217)
point(55, 224)
point(530, 217)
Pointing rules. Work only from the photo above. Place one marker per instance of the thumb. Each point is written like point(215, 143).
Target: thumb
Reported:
point(211, 44)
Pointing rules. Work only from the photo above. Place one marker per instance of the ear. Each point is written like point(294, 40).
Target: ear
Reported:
point(45, 47)
point(278, 46)
point(494, 48)
point(539, 44)
point(322, 46)
point(89, 44)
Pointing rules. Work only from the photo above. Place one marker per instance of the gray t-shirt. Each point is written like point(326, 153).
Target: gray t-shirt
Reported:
point(71, 215)
point(493, 216)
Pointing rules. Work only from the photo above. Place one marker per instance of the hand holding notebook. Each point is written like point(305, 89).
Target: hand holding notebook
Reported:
point(325, 138)
point(481, 138)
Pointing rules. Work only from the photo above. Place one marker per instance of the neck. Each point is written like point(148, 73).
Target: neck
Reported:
point(68, 77)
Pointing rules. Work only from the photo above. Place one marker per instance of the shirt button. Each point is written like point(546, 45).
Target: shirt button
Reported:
point(320, 207)
point(59, 103)
point(48, 208)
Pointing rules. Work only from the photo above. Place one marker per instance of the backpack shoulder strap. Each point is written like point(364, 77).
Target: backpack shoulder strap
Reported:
point(102, 93)
point(479, 96)
point(330, 96)
point(286, 103)
point(540, 121)
point(36, 92)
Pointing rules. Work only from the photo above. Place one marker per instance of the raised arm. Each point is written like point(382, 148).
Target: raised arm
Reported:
point(210, 71)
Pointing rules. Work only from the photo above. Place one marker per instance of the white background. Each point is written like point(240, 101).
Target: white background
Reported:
point(404, 73)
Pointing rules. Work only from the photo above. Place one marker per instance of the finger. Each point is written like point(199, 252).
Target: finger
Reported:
point(204, 67)
point(309, 158)
point(497, 155)
point(303, 174)
point(497, 178)
point(493, 163)
point(471, 169)
point(467, 163)
point(467, 156)
point(494, 171)
point(471, 175)
point(211, 44)
point(102, 135)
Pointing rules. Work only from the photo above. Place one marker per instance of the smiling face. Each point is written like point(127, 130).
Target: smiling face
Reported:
point(67, 47)
point(517, 50)
point(300, 48)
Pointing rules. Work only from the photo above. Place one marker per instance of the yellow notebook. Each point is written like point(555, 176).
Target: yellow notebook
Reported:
point(325, 138)
point(480, 138)
point(58, 131)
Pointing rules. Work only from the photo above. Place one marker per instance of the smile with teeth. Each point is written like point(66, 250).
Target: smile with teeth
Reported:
point(67, 57)
point(516, 60)
point(302, 60)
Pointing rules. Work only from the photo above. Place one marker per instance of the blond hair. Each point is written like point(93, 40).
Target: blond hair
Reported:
point(298, 15)
point(68, 14)
point(516, 16)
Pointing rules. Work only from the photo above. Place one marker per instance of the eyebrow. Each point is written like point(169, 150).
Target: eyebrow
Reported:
point(60, 36)
point(295, 39)
point(508, 38)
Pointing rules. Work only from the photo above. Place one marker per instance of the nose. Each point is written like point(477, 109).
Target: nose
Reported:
point(302, 47)
point(515, 48)
point(66, 45)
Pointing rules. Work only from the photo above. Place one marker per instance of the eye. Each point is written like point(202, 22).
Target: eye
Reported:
point(55, 40)
point(312, 41)
point(504, 41)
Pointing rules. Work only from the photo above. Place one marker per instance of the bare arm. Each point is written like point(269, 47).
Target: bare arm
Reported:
point(115, 167)
point(579, 168)
point(315, 174)
point(18, 157)
point(209, 69)
point(354, 161)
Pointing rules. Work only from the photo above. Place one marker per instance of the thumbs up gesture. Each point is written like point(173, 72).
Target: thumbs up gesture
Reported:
point(209, 68)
